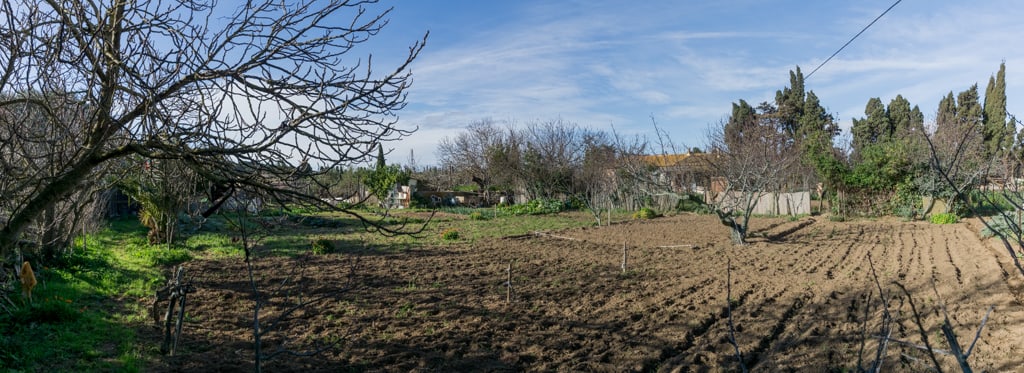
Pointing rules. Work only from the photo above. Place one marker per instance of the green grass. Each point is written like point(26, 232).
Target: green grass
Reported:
point(347, 234)
point(85, 310)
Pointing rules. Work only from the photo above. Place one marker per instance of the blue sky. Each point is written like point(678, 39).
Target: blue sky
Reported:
point(614, 63)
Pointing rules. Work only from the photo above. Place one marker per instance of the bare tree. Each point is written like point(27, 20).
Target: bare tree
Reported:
point(952, 171)
point(639, 176)
point(957, 155)
point(31, 151)
point(749, 165)
point(240, 94)
point(594, 183)
point(553, 152)
point(485, 154)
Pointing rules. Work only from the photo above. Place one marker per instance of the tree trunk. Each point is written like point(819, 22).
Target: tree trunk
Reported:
point(738, 231)
point(36, 205)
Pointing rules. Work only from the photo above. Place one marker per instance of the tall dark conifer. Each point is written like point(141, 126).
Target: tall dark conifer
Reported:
point(945, 117)
point(743, 117)
point(872, 129)
point(998, 134)
point(790, 103)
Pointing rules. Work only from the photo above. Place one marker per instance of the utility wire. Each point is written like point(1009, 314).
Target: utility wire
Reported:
point(852, 39)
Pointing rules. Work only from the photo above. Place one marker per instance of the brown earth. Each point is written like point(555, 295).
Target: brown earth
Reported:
point(803, 299)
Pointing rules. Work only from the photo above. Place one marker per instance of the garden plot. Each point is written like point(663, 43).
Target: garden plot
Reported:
point(802, 297)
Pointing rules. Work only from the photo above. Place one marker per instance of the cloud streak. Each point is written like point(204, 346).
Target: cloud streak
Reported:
point(604, 63)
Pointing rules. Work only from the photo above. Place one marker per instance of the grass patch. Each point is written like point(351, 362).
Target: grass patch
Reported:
point(86, 307)
point(646, 213)
point(348, 235)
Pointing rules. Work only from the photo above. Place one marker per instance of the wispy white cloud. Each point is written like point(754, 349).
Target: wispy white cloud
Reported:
point(601, 62)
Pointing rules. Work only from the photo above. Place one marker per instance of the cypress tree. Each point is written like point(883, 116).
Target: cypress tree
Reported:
point(969, 111)
point(945, 118)
point(790, 103)
point(901, 117)
point(815, 119)
point(998, 134)
point(743, 117)
point(870, 130)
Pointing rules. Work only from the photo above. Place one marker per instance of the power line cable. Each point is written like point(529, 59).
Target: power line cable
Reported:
point(852, 39)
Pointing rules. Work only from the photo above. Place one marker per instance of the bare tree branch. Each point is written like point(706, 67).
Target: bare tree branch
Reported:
point(239, 94)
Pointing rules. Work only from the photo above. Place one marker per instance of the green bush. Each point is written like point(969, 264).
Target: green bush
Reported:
point(477, 215)
point(693, 203)
point(646, 213)
point(907, 201)
point(534, 207)
point(322, 246)
point(450, 234)
point(1000, 225)
point(944, 218)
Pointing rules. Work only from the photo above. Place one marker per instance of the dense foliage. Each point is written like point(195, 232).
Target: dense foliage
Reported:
point(944, 218)
point(534, 207)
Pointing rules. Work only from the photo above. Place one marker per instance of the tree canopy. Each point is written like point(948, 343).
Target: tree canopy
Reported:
point(239, 94)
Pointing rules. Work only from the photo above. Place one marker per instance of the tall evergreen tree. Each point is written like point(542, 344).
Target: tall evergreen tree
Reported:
point(904, 121)
point(380, 157)
point(998, 134)
point(969, 112)
point(945, 117)
point(790, 103)
point(872, 129)
point(816, 119)
point(743, 117)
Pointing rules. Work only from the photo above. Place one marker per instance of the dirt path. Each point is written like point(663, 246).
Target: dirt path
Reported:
point(800, 294)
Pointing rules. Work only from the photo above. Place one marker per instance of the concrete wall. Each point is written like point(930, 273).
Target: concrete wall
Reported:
point(770, 203)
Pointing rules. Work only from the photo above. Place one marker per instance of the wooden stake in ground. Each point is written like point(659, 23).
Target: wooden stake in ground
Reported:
point(508, 282)
point(623, 256)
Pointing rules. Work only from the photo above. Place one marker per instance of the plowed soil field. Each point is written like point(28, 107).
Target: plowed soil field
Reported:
point(802, 298)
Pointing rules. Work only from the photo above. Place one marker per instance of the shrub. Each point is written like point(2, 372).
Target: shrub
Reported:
point(693, 203)
point(477, 215)
point(534, 207)
point(1000, 225)
point(645, 213)
point(322, 246)
point(944, 218)
point(450, 234)
point(907, 202)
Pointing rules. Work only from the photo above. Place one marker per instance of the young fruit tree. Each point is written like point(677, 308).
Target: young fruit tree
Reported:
point(750, 159)
point(254, 96)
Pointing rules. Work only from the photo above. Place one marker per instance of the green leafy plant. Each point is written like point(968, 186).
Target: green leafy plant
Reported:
point(693, 203)
point(534, 207)
point(1000, 224)
point(477, 215)
point(450, 234)
point(384, 177)
point(907, 201)
point(322, 246)
point(944, 218)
